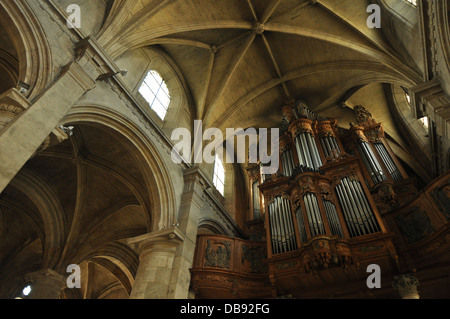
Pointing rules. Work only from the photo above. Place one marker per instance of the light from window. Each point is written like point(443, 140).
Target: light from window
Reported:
point(26, 291)
point(408, 98)
point(425, 122)
point(156, 93)
point(219, 176)
point(413, 2)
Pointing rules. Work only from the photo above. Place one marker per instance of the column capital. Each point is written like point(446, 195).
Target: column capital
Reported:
point(162, 240)
point(406, 285)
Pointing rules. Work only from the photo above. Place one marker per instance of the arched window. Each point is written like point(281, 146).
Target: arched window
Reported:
point(425, 122)
point(219, 176)
point(408, 98)
point(156, 93)
point(24, 293)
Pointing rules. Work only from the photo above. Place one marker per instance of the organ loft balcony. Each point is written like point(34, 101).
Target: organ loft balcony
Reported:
point(340, 202)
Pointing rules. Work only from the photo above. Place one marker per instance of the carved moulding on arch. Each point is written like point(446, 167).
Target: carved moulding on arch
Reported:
point(31, 43)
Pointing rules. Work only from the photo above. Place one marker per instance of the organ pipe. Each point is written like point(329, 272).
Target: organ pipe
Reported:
point(358, 214)
point(287, 160)
point(389, 162)
point(330, 146)
point(281, 226)
point(333, 219)
point(307, 151)
point(301, 225)
point(371, 162)
point(313, 214)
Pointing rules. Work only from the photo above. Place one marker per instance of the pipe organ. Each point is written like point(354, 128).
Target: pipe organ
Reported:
point(321, 190)
point(340, 202)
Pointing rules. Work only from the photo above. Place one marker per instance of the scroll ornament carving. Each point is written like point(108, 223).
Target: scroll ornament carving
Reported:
point(375, 133)
point(363, 116)
point(323, 253)
point(388, 196)
point(326, 193)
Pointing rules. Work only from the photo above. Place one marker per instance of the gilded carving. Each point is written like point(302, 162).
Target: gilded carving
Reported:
point(363, 116)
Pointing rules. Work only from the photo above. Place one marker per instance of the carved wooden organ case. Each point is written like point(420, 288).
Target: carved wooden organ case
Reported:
point(319, 208)
point(339, 202)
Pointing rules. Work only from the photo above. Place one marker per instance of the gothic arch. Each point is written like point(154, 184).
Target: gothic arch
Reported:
point(30, 42)
point(161, 193)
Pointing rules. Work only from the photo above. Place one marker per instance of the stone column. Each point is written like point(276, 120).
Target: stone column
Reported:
point(189, 214)
point(406, 285)
point(25, 125)
point(46, 284)
point(157, 252)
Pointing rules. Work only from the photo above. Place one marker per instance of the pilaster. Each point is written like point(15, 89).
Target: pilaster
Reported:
point(188, 220)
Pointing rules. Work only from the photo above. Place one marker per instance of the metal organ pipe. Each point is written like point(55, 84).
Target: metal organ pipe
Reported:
point(331, 212)
point(371, 162)
point(357, 211)
point(358, 208)
point(314, 151)
point(313, 213)
point(368, 212)
point(346, 210)
point(287, 160)
point(352, 211)
point(281, 226)
point(389, 162)
point(289, 226)
point(335, 144)
point(307, 151)
point(325, 149)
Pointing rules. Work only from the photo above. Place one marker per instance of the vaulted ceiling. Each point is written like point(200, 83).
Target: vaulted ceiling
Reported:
point(242, 59)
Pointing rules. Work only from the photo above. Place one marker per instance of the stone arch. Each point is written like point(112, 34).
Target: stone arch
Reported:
point(51, 212)
point(30, 42)
point(161, 213)
point(207, 225)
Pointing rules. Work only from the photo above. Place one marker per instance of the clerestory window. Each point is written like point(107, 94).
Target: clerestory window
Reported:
point(219, 176)
point(156, 93)
point(412, 2)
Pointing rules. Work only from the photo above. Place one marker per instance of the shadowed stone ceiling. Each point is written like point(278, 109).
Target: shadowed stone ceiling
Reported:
point(243, 59)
